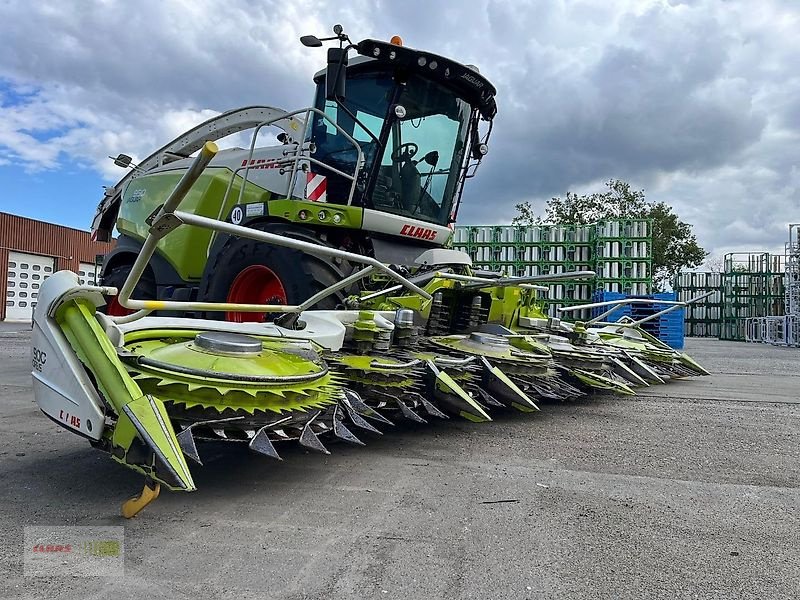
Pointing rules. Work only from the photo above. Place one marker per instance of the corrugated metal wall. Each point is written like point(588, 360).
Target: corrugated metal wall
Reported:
point(68, 246)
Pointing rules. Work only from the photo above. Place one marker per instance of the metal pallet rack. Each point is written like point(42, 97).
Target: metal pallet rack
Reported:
point(623, 256)
point(752, 287)
point(782, 327)
point(792, 286)
point(618, 250)
point(702, 318)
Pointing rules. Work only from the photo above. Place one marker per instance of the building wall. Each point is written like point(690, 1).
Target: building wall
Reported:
point(68, 246)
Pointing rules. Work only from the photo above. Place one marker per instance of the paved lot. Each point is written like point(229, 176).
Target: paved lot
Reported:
point(687, 491)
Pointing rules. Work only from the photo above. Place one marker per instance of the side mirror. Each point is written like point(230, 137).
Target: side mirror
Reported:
point(123, 160)
point(336, 74)
point(311, 41)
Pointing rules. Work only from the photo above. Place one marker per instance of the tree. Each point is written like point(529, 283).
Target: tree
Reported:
point(675, 247)
point(714, 263)
point(618, 202)
point(527, 215)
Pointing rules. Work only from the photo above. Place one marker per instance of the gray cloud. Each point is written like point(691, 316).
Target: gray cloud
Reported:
point(697, 102)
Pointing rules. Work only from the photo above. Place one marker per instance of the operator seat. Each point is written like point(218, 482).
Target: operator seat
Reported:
point(410, 186)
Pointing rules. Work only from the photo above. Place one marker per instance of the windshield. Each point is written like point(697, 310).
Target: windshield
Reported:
point(414, 171)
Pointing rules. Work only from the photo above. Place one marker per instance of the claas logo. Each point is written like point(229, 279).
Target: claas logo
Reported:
point(418, 232)
point(261, 163)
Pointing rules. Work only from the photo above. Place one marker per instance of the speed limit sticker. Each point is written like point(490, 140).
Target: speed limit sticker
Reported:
point(237, 215)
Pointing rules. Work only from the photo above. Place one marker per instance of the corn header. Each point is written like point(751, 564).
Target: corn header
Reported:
point(431, 341)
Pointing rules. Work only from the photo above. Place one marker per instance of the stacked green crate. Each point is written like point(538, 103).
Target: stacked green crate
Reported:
point(623, 256)
point(752, 286)
point(557, 248)
point(701, 318)
point(533, 250)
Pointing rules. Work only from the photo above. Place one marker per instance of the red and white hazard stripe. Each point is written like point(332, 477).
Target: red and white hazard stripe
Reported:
point(316, 187)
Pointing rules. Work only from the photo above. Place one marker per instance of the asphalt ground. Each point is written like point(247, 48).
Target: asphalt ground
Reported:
point(688, 490)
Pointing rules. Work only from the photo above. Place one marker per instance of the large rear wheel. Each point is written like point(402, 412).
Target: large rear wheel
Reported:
point(249, 272)
point(115, 277)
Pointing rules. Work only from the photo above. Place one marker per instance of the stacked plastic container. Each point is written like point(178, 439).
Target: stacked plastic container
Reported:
point(618, 250)
point(623, 256)
point(667, 327)
point(752, 287)
point(702, 318)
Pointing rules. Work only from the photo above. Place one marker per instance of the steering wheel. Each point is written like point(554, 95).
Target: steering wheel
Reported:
point(412, 149)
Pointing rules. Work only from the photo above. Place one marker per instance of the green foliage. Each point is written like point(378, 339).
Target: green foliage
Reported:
point(618, 202)
point(527, 215)
point(674, 245)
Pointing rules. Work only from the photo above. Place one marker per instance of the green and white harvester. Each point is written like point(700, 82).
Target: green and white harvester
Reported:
point(375, 167)
point(246, 304)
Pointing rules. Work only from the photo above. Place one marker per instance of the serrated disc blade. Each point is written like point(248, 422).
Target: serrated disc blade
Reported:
point(360, 421)
point(407, 412)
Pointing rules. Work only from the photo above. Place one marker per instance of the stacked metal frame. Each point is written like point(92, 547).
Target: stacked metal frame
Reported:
point(620, 251)
point(752, 287)
point(702, 318)
point(792, 286)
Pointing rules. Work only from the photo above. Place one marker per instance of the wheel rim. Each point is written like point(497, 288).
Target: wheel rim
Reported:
point(256, 284)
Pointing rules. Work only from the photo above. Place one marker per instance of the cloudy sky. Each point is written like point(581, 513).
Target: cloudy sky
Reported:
point(696, 101)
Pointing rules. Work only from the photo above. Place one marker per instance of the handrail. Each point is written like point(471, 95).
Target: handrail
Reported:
point(528, 279)
point(292, 182)
point(504, 281)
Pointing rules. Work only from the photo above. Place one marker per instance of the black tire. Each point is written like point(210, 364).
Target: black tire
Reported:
point(301, 275)
point(116, 276)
